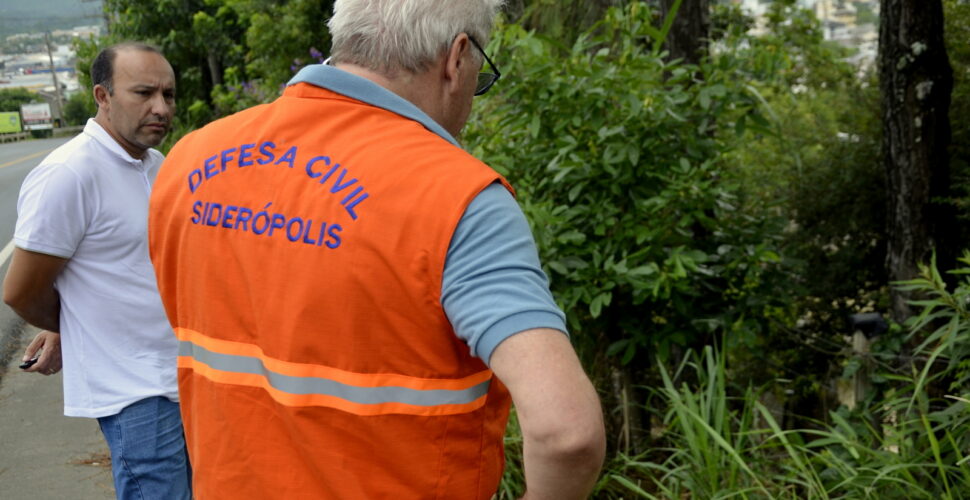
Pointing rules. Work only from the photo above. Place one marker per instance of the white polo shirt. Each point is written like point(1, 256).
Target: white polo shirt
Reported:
point(88, 202)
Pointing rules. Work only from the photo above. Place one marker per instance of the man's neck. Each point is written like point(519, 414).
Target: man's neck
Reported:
point(417, 88)
point(135, 152)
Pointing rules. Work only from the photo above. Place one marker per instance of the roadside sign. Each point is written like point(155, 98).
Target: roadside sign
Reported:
point(37, 116)
point(9, 122)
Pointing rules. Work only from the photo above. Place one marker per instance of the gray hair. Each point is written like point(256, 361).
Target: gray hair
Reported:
point(390, 35)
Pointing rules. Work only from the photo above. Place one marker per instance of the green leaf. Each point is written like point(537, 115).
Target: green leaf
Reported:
point(704, 100)
point(574, 192)
point(631, 350)
point(643, 270)
point(558, 267)
point(633, 154)
point(605, 132)
point(653, 33)
point(596, 305)
point(665, 29)
point(534, 126)
point(626, 483)
point(572, 236)
point(563, 172)
point(739, 126)
point(616, 347)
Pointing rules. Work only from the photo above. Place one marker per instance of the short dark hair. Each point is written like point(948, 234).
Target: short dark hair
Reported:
point(102, 69)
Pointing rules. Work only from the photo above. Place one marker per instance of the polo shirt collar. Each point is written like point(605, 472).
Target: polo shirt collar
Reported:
point(364, 90)
point(99, 134)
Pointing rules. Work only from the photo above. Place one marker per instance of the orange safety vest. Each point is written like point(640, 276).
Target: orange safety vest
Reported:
point(299, 248)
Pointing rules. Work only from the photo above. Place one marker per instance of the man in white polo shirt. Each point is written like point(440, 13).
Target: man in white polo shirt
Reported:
point(81, 272)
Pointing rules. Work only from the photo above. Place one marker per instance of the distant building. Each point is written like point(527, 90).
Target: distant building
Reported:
point(25, 36)
point(79, 32)
point(75, 32)
point(32, 71)
point(840, 20)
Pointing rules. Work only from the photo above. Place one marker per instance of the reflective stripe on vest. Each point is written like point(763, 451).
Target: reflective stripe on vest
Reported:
point(300, 384)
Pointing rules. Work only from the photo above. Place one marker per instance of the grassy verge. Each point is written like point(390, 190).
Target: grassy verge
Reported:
point(909, 441)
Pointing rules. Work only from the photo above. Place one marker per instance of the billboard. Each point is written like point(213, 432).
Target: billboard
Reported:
point(37, 116)
point(9, 122)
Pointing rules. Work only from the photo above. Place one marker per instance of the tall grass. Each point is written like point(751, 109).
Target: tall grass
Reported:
point(911, 441)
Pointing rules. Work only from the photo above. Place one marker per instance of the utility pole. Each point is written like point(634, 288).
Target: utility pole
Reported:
point(57, 87)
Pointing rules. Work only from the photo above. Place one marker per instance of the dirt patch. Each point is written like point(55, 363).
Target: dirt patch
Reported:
point(97, 459)
point(11, 331)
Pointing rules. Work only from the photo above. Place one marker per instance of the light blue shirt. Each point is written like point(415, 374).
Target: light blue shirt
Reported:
point(493, 285)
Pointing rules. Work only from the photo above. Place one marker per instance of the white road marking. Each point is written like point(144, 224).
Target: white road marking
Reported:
point(5, 253)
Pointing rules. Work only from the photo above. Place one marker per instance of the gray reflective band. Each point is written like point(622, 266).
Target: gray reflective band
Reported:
point(316, 385)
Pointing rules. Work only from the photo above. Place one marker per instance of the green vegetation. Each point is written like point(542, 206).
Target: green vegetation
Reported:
point(737, 205)
point(228, 54)
point(11, 99)
point(707, 228)
point(619, 161)
point(957, 33)
point(79, 107)
point(717, 442)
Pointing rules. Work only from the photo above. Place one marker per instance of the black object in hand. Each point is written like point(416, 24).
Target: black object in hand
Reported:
point(28, 363)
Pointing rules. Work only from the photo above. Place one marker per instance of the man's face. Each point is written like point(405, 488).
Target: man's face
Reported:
point(139, 112)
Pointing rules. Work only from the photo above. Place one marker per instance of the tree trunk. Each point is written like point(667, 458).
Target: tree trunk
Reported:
point(689, 35)
point(916, 82)
point(215, 69)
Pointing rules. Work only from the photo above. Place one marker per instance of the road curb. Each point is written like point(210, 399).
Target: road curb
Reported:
point(11, 331)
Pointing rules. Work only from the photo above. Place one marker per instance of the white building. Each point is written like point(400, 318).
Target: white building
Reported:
point(840, 22)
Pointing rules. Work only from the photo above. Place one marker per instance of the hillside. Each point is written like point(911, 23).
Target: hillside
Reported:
point(25, 16)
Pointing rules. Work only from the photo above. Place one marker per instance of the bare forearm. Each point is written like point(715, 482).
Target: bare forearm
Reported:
point(29, 289)
point(44, 311)
point(561, 475)
point(559, 413)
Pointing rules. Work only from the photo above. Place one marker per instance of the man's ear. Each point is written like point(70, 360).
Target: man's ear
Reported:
point(100, 96)
point(455, 62)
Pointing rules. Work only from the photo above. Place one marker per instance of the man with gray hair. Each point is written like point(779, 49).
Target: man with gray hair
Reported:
point(358, 300)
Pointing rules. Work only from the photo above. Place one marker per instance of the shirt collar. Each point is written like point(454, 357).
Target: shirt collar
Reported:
point(99, 134)
point(364, 90)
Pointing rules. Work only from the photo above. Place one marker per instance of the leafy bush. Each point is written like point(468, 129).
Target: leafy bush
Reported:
point(79, 107)
point(817, 162)
point(616, 161)
point(11, 99)
point(905, 443)
point(617, 158)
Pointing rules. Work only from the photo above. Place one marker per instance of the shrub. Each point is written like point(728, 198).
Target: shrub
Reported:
point(616, 156)
point(909, 441)
point(79, 107)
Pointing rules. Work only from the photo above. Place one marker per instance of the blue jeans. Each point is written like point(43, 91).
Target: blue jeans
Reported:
point(148, 456)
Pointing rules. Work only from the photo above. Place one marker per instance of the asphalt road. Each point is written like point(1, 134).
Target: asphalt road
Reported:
point(43, 454)
point(16, 160)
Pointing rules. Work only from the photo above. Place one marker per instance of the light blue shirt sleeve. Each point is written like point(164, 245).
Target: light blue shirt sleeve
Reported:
point(493, 285)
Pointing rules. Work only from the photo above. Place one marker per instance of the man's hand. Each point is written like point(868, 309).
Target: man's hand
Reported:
point(559, 413)
point(49, 346)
